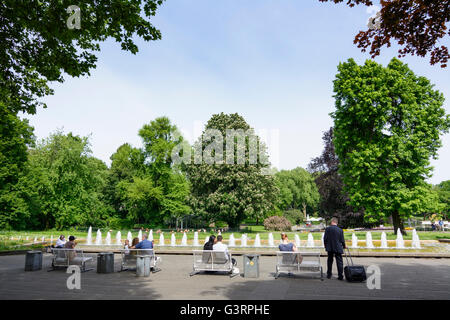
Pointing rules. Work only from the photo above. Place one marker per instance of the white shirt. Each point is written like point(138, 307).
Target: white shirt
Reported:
point(60, 243)
point(219, 246)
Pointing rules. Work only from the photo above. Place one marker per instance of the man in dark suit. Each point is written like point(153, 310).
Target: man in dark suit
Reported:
point(334, 244)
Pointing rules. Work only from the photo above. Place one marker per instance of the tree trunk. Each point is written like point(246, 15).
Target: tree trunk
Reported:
point(304, 210)
point(398, 223)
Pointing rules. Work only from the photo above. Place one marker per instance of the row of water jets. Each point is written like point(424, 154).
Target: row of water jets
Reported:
point(400, 243)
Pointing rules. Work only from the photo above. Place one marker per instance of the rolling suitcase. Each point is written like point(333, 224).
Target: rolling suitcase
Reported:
point(354, 273)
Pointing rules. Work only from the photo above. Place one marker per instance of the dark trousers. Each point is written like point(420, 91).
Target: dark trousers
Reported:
point(339, 263)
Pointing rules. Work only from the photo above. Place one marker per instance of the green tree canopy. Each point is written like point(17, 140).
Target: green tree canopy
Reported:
point(148, 188)
point(37, 46)
point(297, 190)
point(233, 190)
point(388, 123)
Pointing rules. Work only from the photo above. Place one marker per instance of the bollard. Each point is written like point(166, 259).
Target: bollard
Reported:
point(143, 266)
point(33, 260)
point(105, 262)
point(251, 266)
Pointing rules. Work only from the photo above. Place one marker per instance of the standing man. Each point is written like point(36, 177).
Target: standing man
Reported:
point(334, 244)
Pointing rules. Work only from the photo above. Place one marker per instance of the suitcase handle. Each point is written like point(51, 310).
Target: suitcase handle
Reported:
point(348, 250)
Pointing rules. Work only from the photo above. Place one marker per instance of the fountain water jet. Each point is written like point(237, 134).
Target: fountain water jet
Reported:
point(161, 239)
point(150, 235)
point(271, 244)
point(206, 239)
point(130, 237)
point(108, 238)
point(310, 243)
point(321, 239)
point(400, 243)
point(140, 235)
point(231, 242)
point(257, 241)
point(415, 240)
point(354, 241)
point(119, 238)
point(184, 239)
point(98, 238)
point(195, 244)
point(297, 240)
point(384, 244)
point(89, 237)
point(244, 240)
point(173, 242)
point(369, 243)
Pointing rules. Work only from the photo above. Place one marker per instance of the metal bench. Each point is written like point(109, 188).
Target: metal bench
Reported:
point(209, 260)
point(298, 262)
point(129, 257)
point(63, 258)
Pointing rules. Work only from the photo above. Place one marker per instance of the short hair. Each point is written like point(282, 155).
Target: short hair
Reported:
point(144, 236)
point(219, 238)
point(335, 220)
point(71, 238)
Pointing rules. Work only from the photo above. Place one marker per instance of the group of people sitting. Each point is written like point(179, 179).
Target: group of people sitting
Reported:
point(62, 243)
point(215, 244)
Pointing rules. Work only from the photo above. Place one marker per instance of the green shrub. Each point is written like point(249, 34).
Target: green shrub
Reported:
point(277, 223)
point(294, 216)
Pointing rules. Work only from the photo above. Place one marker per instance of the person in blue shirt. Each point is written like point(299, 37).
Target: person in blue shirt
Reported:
point(144, 244)
point(287, 246)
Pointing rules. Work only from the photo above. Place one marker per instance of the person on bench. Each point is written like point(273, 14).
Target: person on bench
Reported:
point(219, 246)
point(60, 242)
point(145, 244)
point(285, 245)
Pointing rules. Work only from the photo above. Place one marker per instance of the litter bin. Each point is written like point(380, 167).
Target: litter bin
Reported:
point(143, 266)
point(105, 262)
point(251, 265)
point(33, 260)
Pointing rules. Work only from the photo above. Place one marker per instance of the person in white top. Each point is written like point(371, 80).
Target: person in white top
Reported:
point(60, 242)
point(219, 246)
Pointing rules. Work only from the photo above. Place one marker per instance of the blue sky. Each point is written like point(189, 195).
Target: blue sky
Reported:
point(272, 61)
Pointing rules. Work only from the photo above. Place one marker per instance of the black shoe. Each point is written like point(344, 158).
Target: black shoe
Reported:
point(329, 276)
point(341, 278)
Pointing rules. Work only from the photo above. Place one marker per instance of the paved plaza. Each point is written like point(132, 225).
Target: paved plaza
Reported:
point(401, 278)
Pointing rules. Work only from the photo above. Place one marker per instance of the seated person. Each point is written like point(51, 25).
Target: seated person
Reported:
point(219, 246)
point(287, 246)
point(71, 243)
point(144, 244)
point(126, 246)
point(60, 242)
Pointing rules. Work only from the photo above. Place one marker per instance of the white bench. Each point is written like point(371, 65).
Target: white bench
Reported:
point(129, 258)
point(63, 258)
point(210, 260)
point(298, 262)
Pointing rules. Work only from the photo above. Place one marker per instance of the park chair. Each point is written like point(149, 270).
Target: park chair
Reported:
point(209, 260)
point(129, 258)
point(63, 258)
point(298, 262)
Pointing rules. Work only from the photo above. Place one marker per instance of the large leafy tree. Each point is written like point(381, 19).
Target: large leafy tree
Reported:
point(443, 191)
point(15, 138)
point(230, 191)
point(388, 123)
point(297, 190)
point(334, 201)
point(419, 26)
point(151, 188)
point(59, 187)
point(37, 46)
